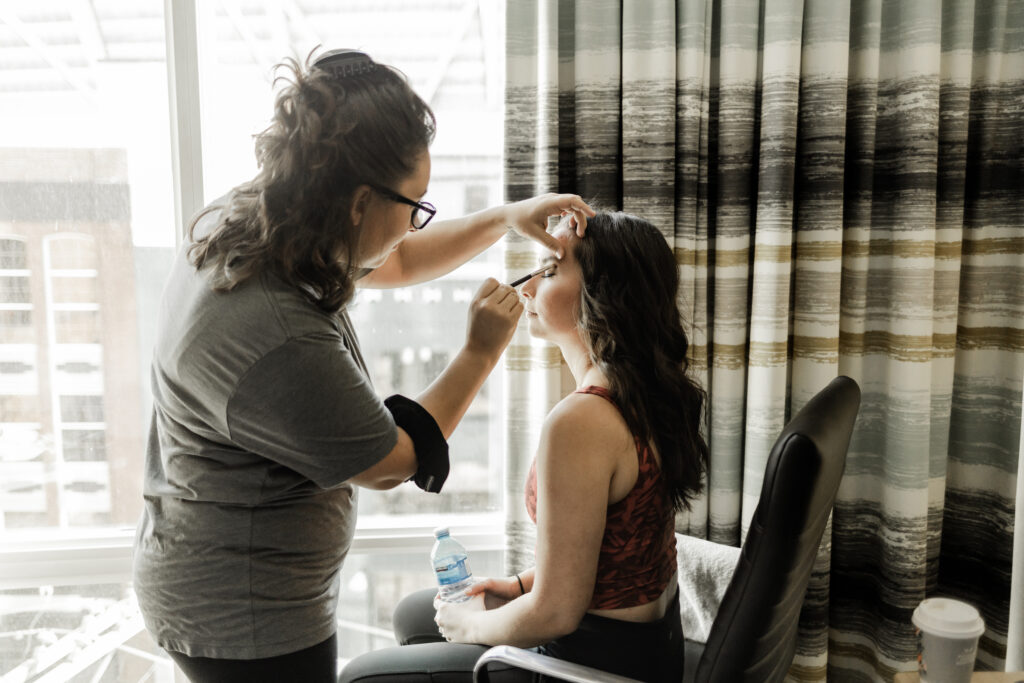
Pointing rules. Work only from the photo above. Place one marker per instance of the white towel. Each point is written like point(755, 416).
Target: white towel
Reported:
point(705, 569)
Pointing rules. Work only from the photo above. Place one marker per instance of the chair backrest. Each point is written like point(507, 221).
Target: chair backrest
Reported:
point(753, 637)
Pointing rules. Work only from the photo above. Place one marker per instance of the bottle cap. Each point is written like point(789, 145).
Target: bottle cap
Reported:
point(440, 531)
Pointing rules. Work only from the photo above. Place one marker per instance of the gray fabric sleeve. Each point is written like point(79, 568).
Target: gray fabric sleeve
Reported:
point(307, 406)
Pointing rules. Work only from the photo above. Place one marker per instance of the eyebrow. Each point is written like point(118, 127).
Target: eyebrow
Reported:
point(549, 260)
point(528, 276)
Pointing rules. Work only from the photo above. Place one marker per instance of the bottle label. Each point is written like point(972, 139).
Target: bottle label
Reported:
point(452, 570)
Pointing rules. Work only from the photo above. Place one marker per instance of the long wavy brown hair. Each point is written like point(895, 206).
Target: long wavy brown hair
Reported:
point(631, 325)
point(329, 135)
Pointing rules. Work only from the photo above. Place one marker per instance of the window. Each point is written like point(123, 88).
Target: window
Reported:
point(12, 254)
point(15, 292)
point(478, 197)
point(98, 624)
point(84, 444)
point(15, 324)
point(95, 623)
point(87, 235)
point(86, 238)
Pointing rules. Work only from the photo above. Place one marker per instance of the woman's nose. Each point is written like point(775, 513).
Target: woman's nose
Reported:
point(527, 289)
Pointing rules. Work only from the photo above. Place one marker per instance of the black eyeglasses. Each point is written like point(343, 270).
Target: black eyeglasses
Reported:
point(422, 212)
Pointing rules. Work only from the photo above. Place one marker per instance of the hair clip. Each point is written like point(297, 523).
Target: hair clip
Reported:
point(345, 62)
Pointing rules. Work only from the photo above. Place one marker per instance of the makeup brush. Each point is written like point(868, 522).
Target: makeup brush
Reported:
point(516, 283)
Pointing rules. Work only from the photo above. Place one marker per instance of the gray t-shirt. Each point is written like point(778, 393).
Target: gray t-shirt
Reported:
point(263, 409)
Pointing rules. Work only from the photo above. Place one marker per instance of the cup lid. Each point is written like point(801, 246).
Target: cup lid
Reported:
point(948, 618)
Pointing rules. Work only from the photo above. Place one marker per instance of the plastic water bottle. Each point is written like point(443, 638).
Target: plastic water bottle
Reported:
point(451, 566)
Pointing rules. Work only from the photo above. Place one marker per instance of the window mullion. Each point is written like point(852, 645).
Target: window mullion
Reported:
point(182, 44)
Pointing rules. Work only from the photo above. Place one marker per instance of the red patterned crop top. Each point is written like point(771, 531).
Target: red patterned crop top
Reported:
point(638, 551)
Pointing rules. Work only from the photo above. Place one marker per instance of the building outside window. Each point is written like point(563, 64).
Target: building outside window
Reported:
point(87, 236)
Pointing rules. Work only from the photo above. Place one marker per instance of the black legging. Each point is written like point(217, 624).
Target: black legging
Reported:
point(317, 664)
point(646, 651)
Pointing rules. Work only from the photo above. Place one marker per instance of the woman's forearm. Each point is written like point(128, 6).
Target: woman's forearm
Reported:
point(527, 578)
point(448, 397)
point(523, 622)
point(442, 247)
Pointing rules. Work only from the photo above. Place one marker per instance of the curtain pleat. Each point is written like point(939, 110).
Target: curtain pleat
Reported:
point(975, 558)
point(694, 21)
point(531, 166)
point(843, 185)
point(816, 263)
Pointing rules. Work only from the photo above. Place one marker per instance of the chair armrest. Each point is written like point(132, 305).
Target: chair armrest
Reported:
point(542, 664)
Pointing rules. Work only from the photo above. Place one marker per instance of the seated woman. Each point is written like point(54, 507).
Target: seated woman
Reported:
point(616, 459)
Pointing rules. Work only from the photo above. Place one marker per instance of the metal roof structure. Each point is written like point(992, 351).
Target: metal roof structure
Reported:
point(61, 45)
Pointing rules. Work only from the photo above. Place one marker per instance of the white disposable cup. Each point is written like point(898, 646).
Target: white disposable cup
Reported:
point(947, 636)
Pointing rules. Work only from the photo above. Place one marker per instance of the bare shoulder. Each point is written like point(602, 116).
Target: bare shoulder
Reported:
point(586, 424)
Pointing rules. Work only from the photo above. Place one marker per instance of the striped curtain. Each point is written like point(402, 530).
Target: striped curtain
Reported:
point(843, 184)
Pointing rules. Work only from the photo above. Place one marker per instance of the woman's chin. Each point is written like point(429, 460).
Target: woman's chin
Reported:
point(535, 330)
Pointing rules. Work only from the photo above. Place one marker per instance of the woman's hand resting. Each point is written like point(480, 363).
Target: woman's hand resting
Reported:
point(455, 620)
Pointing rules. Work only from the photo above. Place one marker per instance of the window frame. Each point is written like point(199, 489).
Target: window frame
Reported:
point(62, 559)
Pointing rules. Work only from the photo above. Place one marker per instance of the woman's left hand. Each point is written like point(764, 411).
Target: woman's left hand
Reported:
point(529, 217)
point(455, 619)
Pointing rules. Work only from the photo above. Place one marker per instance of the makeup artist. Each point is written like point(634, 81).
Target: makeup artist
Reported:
point(264, 419)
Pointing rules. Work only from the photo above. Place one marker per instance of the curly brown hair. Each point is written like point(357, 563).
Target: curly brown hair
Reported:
point(329, 135)
point(631, 325)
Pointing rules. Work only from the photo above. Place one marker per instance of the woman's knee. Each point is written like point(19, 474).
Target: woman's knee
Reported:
point(413, 619)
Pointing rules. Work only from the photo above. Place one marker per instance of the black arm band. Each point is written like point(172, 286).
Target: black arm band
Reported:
point(431, 448)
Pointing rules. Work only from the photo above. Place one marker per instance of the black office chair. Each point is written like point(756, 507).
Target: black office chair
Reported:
point(753, 637)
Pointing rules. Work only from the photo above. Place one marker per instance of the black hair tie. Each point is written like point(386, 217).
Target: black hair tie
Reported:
point(343, 62)
point(432, 462)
